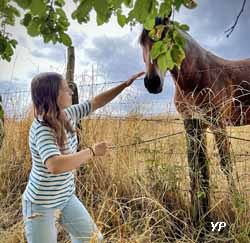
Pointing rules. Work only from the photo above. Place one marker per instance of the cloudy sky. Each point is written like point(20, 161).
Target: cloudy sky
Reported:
point(114, 53)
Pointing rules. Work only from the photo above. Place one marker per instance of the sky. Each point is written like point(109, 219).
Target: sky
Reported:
point(111, 53)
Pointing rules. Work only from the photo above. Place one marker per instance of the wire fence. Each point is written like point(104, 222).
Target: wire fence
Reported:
point(129, 108)
point(17, 102)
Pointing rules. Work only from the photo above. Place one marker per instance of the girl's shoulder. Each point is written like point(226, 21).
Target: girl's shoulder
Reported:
point(40, 127)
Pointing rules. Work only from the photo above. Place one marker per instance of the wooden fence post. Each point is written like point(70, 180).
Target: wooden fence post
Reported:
point(72, 84)
point(70, 74)
point(198, 171)
point(1, 122)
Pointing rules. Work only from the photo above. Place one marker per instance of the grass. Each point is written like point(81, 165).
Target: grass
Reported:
point(135, 193)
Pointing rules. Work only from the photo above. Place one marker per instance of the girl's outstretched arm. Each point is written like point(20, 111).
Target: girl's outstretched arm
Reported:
point(105, 97)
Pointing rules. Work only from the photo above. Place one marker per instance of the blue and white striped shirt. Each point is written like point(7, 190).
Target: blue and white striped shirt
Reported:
point(45, 188)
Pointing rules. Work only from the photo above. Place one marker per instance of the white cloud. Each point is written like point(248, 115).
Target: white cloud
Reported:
point(114, 50)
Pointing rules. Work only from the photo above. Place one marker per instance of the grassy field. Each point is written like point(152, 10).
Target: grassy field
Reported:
point(137, 193)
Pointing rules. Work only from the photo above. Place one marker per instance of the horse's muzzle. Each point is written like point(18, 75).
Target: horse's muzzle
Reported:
point(153, 84)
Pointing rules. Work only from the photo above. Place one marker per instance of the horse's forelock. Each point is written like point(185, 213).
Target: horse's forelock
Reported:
point(144, 38)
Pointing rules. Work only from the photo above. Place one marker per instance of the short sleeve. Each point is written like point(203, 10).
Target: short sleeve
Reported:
point(78, 111)
point(46, 143)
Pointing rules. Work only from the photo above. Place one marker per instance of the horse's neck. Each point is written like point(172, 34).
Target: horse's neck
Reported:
point(197, 59)
point(191, 45)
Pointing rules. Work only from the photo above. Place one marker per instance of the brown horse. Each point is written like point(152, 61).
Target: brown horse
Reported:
point(210, 92)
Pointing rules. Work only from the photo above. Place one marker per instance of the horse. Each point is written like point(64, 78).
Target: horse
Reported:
point(210, 92)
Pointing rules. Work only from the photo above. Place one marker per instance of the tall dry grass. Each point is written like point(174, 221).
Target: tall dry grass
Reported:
point(135, 193)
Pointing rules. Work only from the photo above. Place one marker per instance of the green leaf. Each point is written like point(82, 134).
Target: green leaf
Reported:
point(82, 12)
point(179, 39)
point(177, 54)
point(10, 14)
point(115, 4)
point(165, 9)
point(65, 38)
point(128, 3)
point(167, 39)
point(177, 4)
point(54, 39)
point(99, 20)
point(121, 19)
point(164, 62)
point(34, 27)
point(184, 27)
point(102, 10)
point(60, 3)
point(38, 7)
point(8, 52)
point(13, 42)
point(15, 11)
point(23, 3)
point(142, 10)
point(156, 33)
point(63, 20)
point(149, 23)
point(26, 20)
point(61, 13)
point(46, 38)
point(190, 4)
point(3, 45)
point(158, 48)
point(101, 7)
point(44, 29)
point(3, 4)
point(176, 24)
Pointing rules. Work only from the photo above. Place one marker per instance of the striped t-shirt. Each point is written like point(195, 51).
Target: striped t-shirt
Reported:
point(45, 188)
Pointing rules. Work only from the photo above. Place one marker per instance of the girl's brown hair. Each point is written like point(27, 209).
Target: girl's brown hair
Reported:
point(44, 92)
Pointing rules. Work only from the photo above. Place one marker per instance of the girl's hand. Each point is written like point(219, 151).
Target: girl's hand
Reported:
point(131, 80)
point(100, 148)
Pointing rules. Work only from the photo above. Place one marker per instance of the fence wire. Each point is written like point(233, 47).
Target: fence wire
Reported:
point(17, 103)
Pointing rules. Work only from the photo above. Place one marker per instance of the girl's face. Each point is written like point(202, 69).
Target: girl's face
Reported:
point(64, 98)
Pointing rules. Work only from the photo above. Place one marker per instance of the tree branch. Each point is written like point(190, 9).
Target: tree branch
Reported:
point(231, 29)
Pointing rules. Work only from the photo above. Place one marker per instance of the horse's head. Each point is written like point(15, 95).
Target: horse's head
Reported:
point(154, 78)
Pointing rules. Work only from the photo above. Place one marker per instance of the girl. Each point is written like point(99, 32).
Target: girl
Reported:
point(53, 145)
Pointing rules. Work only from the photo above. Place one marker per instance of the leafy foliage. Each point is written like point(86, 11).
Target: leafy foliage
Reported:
point(41, 17)
point(48, 19)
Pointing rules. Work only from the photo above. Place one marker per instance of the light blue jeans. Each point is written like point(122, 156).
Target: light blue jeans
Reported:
point(40, 222)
